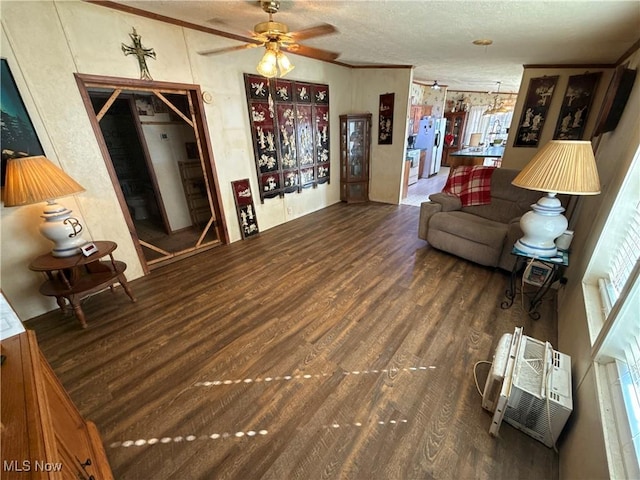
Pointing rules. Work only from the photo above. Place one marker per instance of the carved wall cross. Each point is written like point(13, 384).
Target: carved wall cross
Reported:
point(141, 53)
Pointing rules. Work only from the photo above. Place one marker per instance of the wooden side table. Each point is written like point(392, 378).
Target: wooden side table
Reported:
point(75, 278)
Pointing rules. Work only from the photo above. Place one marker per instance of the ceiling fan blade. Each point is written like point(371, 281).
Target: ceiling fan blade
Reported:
point(311, 52)
point(217, 51)
point(311, 32)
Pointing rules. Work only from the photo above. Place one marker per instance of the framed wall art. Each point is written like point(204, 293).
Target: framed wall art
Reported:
point(575, 106)
point(245, 208)
point(320, 117)
point(385, 122)
point(534, 111)
point(144, 105)
point(17, 136)
point(615, 99)
point(290, 132)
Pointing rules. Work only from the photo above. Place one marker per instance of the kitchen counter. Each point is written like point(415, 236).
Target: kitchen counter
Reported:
point(477, 156)
point(488, 152)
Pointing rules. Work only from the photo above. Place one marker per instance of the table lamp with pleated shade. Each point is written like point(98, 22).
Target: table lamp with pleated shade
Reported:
point(35, 179)
point(561, 166)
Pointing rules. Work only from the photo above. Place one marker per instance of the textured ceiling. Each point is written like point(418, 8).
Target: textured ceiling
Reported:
point(436, 36)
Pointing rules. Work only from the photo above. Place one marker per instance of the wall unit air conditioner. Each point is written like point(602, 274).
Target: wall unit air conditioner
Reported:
point(493, 385)
point(535, 396)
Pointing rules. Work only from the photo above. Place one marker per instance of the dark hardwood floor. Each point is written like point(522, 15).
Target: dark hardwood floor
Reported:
point(336, 346)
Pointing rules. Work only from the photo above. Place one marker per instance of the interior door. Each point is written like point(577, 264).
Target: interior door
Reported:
point(156, 149)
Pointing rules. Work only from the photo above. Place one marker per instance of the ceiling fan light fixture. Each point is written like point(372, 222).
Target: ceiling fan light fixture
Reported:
point(275, 36)
point(435, 85)
point(284, 64)
point(267, 67)
point(274, 61)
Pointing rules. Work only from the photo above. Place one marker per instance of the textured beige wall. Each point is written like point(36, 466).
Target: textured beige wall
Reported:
point(582, 454)
point(47, 42)
point(387, 161)
point(518, 157)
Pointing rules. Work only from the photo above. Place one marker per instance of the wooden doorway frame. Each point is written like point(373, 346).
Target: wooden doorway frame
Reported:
point(199, 124)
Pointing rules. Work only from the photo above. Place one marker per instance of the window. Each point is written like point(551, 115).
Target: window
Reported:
point(620, 337)
point(614, 327)
point(490, 126)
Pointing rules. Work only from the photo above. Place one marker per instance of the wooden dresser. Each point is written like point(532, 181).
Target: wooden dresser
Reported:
point(43, 434)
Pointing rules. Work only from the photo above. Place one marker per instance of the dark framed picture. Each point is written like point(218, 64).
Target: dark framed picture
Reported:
point(18, 137)
point(575, 106)
point(615, 99)
point(385, 122)
point(245, 208)
point(158, 105)
point(534, 111)
point(144, 105)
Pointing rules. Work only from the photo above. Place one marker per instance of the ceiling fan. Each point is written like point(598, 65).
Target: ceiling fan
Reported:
point(275, 37)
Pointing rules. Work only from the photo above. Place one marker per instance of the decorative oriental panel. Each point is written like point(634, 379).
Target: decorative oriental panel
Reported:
point(244, 208)
point(290, 131)
point(385, 127)
point(534, 111)
point(575, 106)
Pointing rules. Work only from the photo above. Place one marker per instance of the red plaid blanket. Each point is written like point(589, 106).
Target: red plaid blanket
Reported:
point(472, 184)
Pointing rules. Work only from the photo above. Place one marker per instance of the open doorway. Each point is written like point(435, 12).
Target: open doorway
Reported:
point(156, 151)
point(419, 192)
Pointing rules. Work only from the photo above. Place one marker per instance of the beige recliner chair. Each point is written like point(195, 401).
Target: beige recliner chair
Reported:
point(483, 234)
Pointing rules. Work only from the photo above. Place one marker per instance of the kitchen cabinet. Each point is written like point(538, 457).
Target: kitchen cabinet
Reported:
point(405, 178)
point(416, 113)
point(454, 133)
point(411, 166)
point(413, 156)
point(355, 142)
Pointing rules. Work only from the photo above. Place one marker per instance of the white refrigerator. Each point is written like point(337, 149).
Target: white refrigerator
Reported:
point(430, 138)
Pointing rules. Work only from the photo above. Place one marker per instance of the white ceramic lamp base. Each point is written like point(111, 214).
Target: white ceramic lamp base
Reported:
point(62, 229)
point(541, 226)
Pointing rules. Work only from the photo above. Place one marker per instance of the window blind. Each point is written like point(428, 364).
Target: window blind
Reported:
point(627, 255)
point(622, 264)
point(619, 291)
